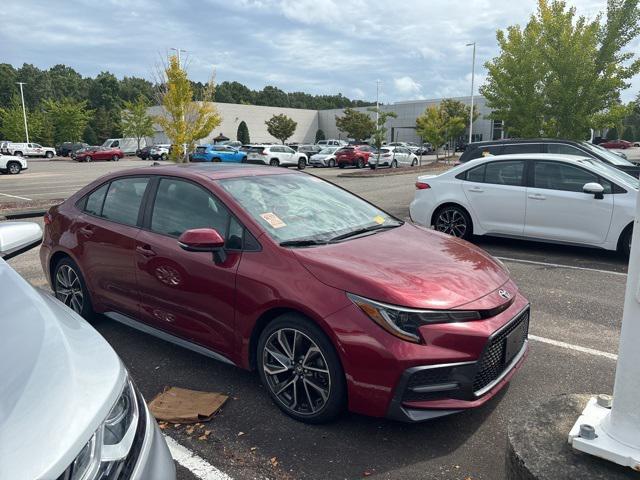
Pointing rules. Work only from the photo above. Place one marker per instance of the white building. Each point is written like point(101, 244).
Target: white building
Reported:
point(401, 128)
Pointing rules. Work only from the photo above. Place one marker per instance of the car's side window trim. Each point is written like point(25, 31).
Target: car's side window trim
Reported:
point(151, 200)
point(523, 181)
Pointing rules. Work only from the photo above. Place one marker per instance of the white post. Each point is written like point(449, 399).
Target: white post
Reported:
point(612, 431)
point(24, 111)
point(473, 74)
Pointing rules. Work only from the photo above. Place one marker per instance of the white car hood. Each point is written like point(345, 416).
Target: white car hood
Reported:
point(58, 380)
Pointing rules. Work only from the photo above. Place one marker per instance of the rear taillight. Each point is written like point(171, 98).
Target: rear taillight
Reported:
point(48, 219)
point(422, 186)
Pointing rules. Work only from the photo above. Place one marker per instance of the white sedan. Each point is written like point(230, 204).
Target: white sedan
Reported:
point(545, 197)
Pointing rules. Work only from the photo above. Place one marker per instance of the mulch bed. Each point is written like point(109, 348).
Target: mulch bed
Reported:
point(438, 166)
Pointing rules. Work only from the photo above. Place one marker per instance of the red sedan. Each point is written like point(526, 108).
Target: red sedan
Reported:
point(91, 154)
point(621, 144)
point(335, 302)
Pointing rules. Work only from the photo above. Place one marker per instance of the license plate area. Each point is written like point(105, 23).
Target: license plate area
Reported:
point(515, 340)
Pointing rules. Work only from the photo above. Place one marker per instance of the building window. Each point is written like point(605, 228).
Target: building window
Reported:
point(498, 127)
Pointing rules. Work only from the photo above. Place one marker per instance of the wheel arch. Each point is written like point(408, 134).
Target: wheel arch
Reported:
point(622, 234)
point(437, 209)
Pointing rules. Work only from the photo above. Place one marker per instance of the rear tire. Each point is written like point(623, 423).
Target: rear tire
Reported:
point(394, 164)
point(88, 158)
point(70, 288)
point(17, 154)
point(341, 165)
point(453, 220)
point(215, 160)
point(360, 163)
point(13, 168)
point(115, 158)
point(49, 155)
point(308, 362)
point(163, 156)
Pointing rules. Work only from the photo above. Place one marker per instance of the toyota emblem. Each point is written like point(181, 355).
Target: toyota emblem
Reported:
point(504, 294)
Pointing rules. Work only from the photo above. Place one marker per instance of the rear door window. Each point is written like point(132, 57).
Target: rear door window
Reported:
point(123, 199)
point(95, 201)
point(505, 173)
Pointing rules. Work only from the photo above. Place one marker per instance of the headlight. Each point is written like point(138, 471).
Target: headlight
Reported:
point(102, 458)
point(404, 322)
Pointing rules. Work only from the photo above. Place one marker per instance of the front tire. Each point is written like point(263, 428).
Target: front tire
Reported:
point(302, 163)
point(274, 162)
point(88, 158)
point(70, 288)
point(360, 163)
point(453, 220)
point(49, 155)
point(13, 168)
point(301, 370)
point(624, 244)
point(115, 158)
point(394, 164)
point(332, 163)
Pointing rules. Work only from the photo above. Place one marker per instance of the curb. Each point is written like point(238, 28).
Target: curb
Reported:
point(388, 172)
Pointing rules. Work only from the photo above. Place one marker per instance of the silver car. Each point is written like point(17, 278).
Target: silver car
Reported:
point(69, 410)
point(325, 157)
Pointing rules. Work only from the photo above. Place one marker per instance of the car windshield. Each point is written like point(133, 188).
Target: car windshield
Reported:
point(603, 152)
point(299, 208)
point(328, 151)
point(613, 173)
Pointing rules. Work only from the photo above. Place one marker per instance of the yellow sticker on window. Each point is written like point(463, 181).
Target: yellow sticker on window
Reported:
point(378, 219)
point(273, 220)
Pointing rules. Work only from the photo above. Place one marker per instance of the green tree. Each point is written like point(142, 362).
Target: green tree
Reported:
point(612, 134)
point(243, 133)
point(357, 125)
point(380, 134)
point(183, 120)
point(555, 75)
point(431, 126)
point(68, 118)
point(628, 134)
point(320, 135)
point(456, 116)
point(136, 122)
point(8, 87)
point(281, 127)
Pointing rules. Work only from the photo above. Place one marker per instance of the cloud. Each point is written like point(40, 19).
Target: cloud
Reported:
point(406, 86)
point(415, 47)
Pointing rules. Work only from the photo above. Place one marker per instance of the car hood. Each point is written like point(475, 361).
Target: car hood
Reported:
point(58, 380)
point(407, 266)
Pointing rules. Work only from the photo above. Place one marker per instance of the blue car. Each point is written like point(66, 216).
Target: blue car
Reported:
point(218, 153)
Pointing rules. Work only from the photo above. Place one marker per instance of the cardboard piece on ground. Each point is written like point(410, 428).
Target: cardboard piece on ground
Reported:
point(179, 405)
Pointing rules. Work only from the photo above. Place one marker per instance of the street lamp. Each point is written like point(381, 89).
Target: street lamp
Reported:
point(473, 73)
point(178, 50)
point(24, 111)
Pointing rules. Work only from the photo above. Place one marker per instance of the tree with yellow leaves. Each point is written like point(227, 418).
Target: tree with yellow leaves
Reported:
point(183, 120)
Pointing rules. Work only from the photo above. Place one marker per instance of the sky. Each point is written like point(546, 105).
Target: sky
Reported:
point(416, 48)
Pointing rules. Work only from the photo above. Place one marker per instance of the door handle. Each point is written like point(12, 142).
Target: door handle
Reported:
point(145, 250)
point(87, 230)
point(537, 196)
point(476, 189)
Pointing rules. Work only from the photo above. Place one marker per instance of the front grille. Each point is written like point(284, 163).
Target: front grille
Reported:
point(423, 378)
point(494, 360)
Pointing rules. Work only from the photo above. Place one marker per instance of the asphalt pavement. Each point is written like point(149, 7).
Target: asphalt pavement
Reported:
point(576, 296)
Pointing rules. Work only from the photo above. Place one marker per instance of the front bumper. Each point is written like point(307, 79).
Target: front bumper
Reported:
point(154, 459)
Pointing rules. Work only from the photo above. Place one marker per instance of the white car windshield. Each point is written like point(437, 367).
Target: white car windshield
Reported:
point(614, 173)
point(328, 151)
point(303, 208)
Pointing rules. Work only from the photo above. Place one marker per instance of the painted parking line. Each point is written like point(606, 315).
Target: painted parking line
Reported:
point(560, 265)
point(577, 348)
point(202, 469)
point(14, 196)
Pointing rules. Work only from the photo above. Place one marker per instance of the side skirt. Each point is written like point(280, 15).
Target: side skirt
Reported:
point(167, 337)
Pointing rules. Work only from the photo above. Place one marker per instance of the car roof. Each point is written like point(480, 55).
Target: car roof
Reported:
point(209, 171)
point(533, 156)
point(509, 141)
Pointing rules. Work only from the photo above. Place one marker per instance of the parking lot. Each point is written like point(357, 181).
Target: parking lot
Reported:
point(576, 297)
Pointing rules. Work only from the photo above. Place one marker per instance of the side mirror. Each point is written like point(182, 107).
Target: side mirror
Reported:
point(18, 237)
point(595, 189)
point(204, 240)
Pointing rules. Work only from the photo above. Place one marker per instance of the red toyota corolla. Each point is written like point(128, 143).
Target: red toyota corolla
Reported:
point(335, 302)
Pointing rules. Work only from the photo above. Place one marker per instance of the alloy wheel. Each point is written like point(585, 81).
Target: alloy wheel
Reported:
point(69, 289)
point(296, 371)
point(452, 221)
point(14, 168)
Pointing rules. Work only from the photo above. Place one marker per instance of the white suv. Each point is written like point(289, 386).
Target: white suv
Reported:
point(12, 165)
point(276, 156)
point(30, 150)
point(332, 143)
point(160, 151)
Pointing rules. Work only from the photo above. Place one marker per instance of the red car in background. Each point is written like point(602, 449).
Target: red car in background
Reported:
point(272, 270)
point(621, 144)
point(91, 154)
point(354, 156)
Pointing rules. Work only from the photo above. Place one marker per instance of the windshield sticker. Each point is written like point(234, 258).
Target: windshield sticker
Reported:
point(378, 219)
point(273, 220)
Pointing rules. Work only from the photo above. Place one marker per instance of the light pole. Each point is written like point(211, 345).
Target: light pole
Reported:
point(473, 74)
point(24, 111)
point(610, 428)
point(178, 50)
